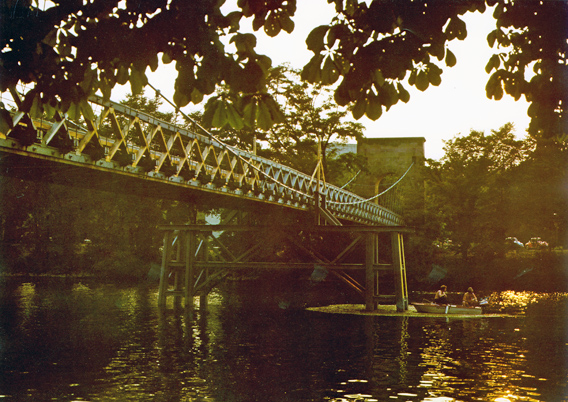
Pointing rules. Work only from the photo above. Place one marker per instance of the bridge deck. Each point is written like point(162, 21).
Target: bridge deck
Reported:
point(122, 143)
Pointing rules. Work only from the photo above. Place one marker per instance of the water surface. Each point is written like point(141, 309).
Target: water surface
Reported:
point(71, 340)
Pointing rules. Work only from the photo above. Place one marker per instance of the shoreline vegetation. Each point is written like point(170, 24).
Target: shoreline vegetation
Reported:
point(539, 271)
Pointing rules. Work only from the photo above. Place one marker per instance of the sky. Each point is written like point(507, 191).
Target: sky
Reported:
point(457, 106)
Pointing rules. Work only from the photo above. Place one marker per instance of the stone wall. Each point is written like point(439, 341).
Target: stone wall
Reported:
point(388, 159)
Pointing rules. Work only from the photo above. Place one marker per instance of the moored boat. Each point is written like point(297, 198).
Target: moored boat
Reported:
point(432, 308)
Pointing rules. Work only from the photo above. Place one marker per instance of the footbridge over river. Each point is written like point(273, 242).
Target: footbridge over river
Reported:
point(109, 144)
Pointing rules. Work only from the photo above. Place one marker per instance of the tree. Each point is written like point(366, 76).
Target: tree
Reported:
point(72, 49)
point(467, 188)
point(539, 191)
point(309, 117)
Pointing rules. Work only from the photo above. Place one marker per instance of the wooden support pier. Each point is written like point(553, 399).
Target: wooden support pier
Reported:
point(195, 259)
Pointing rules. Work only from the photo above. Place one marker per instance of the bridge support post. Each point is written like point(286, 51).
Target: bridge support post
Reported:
point(163, 272)
point(370, 241)
point(189, 268)
point(399, 270)
point(203, 302)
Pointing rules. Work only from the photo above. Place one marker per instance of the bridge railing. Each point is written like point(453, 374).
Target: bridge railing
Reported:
point(115, 136)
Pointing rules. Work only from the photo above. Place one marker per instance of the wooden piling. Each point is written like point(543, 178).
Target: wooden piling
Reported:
point(164, 269)
point(369, 272)
point(190, 268)
point(191, 275)
point(399, 271)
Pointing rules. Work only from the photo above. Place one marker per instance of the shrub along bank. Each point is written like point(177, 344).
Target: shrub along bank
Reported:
point(542, 271)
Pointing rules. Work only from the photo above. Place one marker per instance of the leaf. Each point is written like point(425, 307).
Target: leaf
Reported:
point(493, 89)
point(87, 110)
point(166, 58)
point(51, 38)
point(264, 62)
point(311, 71)
point(350, 7)
point(403, 94)
point(378, 78)
point(329, 73)
point(434, 76)
point(290, 7)
point(233, 117)
point(275, 111)
point(209, 111)
point(532, 111)
point(122, 75)
point(493, 63)
point(234, 18)
point(63, 47)
point(498, 93)
point(49, 110)
point(196, 96)
point(342, 63)
point(272, 24)
point(245, 43)
point(264, 119)
point(286, 22)
point(257, 22)
point(37, 109)
point(138, 81)
point(498, 10)
point(105, 88)
point(251, 78)
point(491, 37)
point(422, 81)
point(153, 62)
point(87, 83)
point(374, 109)
point(220, 115)
point(462, 32)
point(180, 98)
point(315, 38)
point(249, 112)
point(450, 58)
point(490, 87)
point(359, 108)
point(456, 29)
point(6, 123)
point(334, 31)
point(74, 112)
point(412, 78)
point(392, 94)
point(437, 49)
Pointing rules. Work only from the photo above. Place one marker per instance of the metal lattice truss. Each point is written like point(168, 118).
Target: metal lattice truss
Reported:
point(115, 137)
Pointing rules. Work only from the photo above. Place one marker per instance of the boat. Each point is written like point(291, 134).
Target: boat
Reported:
point(432, 308)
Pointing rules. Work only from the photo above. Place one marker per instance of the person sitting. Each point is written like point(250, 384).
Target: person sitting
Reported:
point(441, 296)
point(469, 298)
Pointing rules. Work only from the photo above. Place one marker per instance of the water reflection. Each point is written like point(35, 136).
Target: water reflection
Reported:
point(85, 341)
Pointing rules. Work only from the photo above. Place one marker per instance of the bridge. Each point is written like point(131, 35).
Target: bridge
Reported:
point(110, 141)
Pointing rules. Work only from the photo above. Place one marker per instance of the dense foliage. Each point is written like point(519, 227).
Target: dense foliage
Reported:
point(489, 187)
point(372, 50)
point(56, 229)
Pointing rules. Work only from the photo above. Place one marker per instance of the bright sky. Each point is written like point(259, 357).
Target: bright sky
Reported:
point(440, 113)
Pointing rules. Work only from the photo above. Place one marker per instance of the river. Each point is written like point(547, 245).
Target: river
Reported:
point(67, 339)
